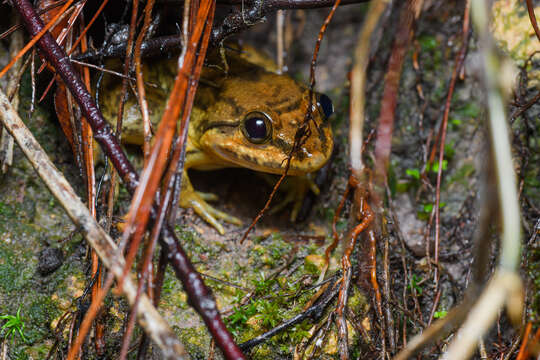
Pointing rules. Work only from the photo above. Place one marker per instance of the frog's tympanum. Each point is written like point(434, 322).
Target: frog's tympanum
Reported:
point(246, 117)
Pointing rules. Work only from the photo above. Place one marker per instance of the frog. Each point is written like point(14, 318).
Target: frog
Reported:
point(245, 114)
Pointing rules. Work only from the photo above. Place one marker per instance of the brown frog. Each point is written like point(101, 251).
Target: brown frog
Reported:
point(245, 117)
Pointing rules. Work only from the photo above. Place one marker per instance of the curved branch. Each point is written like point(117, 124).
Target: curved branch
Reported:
point(149, 318)
point(199, 295)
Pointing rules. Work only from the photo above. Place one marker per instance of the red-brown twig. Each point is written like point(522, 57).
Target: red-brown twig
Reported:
point(303, 132)
point(532, 17)
point(335, 234)
point(460, 59)
point(35, 38)
point(88, 156)
point(523, 353)
point(391, 84)
point(153, 171)
point(365, 213)
point(200, 296)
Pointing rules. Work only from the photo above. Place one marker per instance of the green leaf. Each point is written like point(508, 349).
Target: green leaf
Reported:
point(435, 166)
point(440, 314)
point(414, 173)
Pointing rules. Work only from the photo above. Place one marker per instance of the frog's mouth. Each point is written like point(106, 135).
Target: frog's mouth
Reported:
point(230, 145)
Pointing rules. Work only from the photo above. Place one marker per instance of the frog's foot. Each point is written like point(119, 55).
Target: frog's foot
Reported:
point(207, 196)
point(296, 189)
point(210, 214)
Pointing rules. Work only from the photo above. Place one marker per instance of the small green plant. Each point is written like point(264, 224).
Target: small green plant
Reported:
point(14, 325)
point(416, 284)
point(434, 168)
point(263, 286)
point(424, 211)
point(414, 173)
point(440, 314)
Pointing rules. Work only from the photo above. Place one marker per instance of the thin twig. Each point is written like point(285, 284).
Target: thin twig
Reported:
point(200, 296)
point(149, 318)
point(532, 17)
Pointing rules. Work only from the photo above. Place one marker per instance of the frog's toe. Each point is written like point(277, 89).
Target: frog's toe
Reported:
point(289, 198)
point(207, 196)
point(296, 208)
point(224, 216)
point(210, 214)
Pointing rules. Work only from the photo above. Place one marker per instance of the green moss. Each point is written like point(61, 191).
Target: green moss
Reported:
point(15, 274)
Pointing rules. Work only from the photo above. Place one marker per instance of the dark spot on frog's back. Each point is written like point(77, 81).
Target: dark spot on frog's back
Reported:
point(289, 106)
point(237, 110)
point(283, 145)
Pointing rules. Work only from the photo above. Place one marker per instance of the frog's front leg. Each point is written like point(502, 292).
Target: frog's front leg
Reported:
point(295, 188)
point(189, 198)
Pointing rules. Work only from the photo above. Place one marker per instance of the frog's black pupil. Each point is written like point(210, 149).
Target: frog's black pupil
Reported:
point(256, 128)
point(326, 105)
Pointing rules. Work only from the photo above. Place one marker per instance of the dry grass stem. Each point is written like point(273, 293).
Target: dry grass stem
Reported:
point(148, 317)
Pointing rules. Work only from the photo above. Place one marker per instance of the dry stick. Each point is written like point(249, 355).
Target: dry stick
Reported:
point(335, 234)
point(120, 114)
point(525, 107)
point(280, 39)
point(375, 285)
point(35, 38)
point(62, 28)
point(241, 20)
point(384, 132)
point(233, 23)
point(505, 287)
point(88, 156)
point(358, 85)
point(6, 141)
point(199, 295)
point(146, 150)
point(358, 177)
point(143, 104)
point(482, 241)
point(85, 30)
point(386, 289)
point(40, 12)
point(177, 160)
point(367, 218)
point(458, 63)
point(151, 175)
point(532, 17)
point(127, 51)
point(320, 336)
point(149, 318)
point(314, 311)
point(161, 210)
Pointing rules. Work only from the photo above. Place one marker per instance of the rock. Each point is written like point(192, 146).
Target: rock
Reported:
point(50, 259)
point(314, 263)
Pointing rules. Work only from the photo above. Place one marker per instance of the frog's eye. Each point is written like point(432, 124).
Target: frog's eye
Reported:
point(325, 104)
point(257, 127)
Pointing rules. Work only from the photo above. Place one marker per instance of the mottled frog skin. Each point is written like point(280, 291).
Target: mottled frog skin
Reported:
point(246, 117)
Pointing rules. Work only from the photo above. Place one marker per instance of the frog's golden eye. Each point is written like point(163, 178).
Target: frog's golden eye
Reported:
point(257, 127)
point(325, 104)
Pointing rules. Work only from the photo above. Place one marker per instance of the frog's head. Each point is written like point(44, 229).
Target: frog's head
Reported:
point(253, 119)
